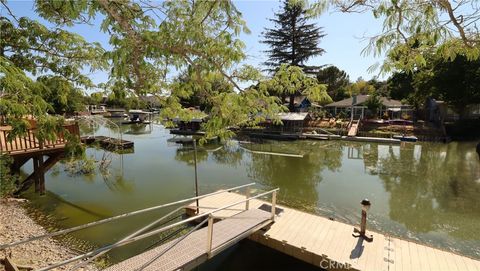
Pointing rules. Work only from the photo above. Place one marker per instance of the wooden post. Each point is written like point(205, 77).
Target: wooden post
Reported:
point(9, 265)
point(41, 174)
point(35, 174)
point(363, 224)
point(274, 203)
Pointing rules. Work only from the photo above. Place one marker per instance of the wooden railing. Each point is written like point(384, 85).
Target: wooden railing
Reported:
point(30, 142)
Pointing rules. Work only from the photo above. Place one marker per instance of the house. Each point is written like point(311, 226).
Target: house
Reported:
point(301, 103)
point(152, 101)
point(393, 108)
point(438, 111)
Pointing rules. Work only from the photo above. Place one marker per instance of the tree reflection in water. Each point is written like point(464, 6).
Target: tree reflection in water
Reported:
point(434, 187)
point(297, 177)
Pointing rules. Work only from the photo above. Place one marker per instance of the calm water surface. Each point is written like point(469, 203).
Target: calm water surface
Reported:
point(427, 192)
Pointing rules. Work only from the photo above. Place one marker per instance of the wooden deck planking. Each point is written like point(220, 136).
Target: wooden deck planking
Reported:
point(308, 237)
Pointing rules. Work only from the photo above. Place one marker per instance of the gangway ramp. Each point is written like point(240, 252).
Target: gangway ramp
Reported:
point(353, 130)
point(193, 250)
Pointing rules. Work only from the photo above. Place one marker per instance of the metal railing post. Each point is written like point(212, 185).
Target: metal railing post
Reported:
point(209, 234)
point(274, 203)
point(247, 194)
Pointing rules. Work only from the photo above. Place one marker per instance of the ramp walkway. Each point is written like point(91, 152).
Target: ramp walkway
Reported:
point(188, 253)
point(184, 252)
point(353, 130)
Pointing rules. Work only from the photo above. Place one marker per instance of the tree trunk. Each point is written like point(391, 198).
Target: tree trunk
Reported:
point(291, 105)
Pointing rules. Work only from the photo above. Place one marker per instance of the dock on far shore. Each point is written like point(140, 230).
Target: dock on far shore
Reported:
point(330, 244)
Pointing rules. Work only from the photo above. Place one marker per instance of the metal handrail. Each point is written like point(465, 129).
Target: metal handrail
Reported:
point(157, 231)
point(91, 224)
point(210, 227)
point(136, 233)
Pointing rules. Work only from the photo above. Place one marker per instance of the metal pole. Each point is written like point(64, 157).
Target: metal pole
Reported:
point(209, 234)
point(196, 176)
point(274, 203)
point(247, 194)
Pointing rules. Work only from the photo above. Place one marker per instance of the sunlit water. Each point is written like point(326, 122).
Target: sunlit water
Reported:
point(427, 192)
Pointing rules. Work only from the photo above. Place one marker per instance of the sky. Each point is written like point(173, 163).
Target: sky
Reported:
point(343, 43)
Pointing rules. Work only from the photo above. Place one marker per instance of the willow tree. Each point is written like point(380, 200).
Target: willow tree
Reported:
point(150, 41)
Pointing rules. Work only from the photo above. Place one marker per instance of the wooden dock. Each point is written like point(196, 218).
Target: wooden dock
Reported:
point(108, 143)
point(190, 252)
point(330, 244)
point(22, 148)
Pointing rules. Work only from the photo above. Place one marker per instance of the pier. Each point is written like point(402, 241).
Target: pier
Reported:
point(225, 217)
point(330, 244)
point(23, 148)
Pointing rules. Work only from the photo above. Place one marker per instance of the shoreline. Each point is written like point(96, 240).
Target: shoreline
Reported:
point(16, 224)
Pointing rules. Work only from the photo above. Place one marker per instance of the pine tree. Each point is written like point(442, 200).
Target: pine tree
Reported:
point(293, 40)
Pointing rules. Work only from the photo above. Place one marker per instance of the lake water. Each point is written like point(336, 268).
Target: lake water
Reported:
point(427, 192)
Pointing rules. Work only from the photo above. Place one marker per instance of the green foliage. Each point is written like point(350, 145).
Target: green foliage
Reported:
point(7, 179)
point(360, 87)
point(373, 103)
point(336, 80)
point(61, 94)
point(293, 41)
point(37, 49)
point(80, 166)
point(196, 88)
point(456, 82)
point(291, 81)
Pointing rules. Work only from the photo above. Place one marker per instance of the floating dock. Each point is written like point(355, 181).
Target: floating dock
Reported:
point(177, 131)
point(371, 139)
point(108, 143)
point(330, 245)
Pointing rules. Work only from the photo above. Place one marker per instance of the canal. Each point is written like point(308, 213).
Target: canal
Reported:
point(427, 192)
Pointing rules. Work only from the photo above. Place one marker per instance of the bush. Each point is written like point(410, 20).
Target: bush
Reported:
point(8, 181)
point(342, 115)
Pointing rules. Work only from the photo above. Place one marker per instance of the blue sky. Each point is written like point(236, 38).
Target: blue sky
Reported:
point(343, 43)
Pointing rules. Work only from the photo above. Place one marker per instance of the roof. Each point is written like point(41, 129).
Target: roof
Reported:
point(296, 101)
point(387, 102)
point(293, 116)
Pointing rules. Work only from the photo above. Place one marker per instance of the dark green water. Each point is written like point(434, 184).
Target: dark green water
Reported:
point(427, 192)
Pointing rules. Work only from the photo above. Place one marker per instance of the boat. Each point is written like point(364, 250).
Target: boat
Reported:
point(116, 113)
point(405, 138)
point(97, 110)
point(138, 116)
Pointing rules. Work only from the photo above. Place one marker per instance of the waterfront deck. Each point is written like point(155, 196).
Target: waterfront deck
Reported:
point(188, 253)
point(321, 242)
point(22, 148)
